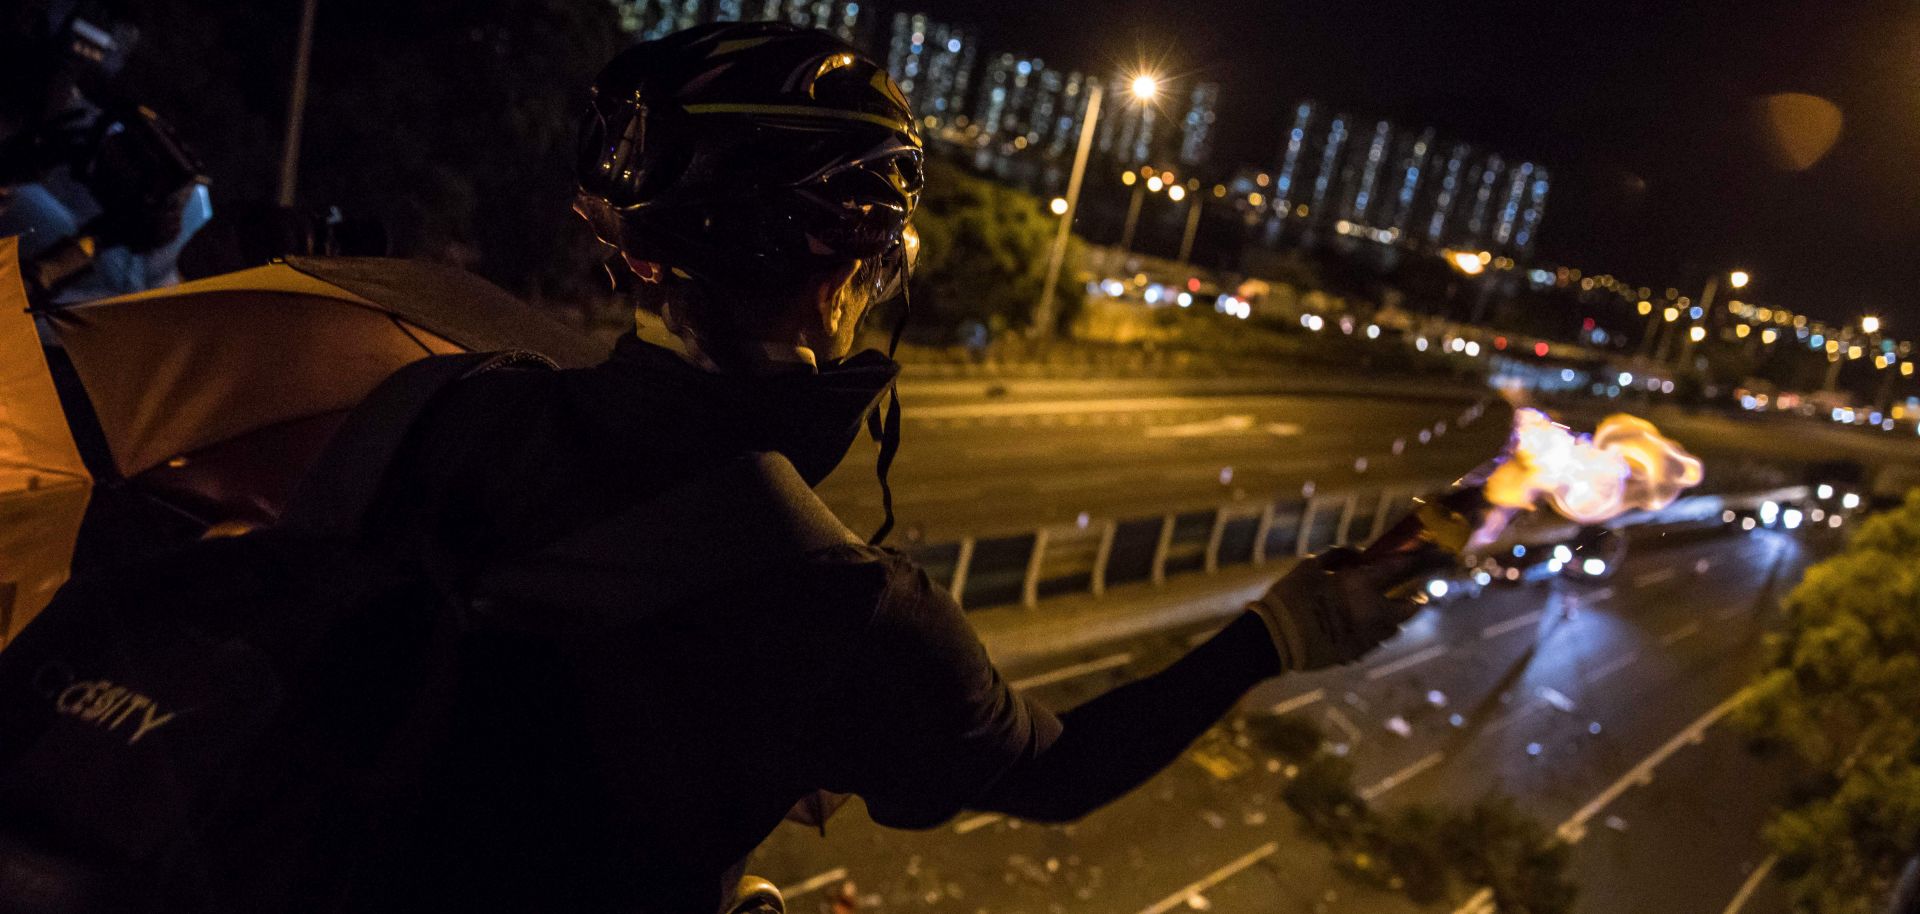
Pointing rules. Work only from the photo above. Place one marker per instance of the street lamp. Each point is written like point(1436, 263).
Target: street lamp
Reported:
point(1870, 324)
point(1144, 87)
point(1058, 206)
point(1738, 279)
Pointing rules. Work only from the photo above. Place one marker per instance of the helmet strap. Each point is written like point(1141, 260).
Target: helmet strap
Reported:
point(887, 431)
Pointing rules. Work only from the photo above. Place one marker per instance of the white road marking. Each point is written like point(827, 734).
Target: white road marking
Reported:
point(1401, 777)
point(1575, 828)
point(1521, 713)
point(1340, 720)
point(1680, 634)
point(1282, 429)
point(1596, 596)
point(821, 881)
point(1212, 879)
point(1411, 660)
point(1299, 701)
point(1611, 668)
point(1480, 903)
point(1514, 624)
point(1185, 405)
point(1069, 672)
point(1654, 577)
point(1206, 428)
point(1747, 888)
point(977, 822)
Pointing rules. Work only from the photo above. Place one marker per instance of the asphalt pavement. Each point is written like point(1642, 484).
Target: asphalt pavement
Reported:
point(980, 458)
point(1598, 707)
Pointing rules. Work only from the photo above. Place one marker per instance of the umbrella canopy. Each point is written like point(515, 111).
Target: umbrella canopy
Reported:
point(219, 392)
point(43, 485)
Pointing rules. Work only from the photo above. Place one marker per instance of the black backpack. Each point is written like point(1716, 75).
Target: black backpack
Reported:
point(229, 726)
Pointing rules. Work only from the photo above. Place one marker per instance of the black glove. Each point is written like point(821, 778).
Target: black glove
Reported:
point(1333, 608)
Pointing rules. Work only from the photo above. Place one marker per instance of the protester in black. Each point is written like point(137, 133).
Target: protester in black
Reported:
point(760, 179)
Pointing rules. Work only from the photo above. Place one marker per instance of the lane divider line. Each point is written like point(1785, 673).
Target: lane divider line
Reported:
point(1408, 662)
point(1212, 879)
point(1340, 720)
point(1401, 777)
point(1680, 634)
point(821, 881)
point(1070, 672)
point(977, 822)
point(1511, 625)
point(1612, 667)
point(1480, 903)
point(1654, 577)
point(1747, 888)
point(1519, 714)
point(1575, 828)
point(1299, 701)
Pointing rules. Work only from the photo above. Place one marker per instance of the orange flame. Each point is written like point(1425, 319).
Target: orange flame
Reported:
point(1626, 465)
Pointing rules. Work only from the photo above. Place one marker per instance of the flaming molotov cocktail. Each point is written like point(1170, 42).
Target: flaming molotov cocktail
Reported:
point(1625, 465)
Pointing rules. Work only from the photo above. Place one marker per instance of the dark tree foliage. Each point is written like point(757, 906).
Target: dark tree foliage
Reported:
point(453, 121)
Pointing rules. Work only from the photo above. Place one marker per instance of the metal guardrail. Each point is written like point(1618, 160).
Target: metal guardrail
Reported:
point(1067, 559)
point(1087, 558)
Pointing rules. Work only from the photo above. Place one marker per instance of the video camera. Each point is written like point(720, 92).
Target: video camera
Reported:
point(138, 170)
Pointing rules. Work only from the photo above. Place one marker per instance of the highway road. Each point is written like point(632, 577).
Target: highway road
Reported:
point(1598, 707)
point(1044, 452)
point(980, 458)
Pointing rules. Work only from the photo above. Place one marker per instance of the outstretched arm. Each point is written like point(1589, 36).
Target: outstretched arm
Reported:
point(1328, 610)
point(932, 728)
point(1115, 742)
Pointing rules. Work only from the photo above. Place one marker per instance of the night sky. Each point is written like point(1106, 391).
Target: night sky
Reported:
point(1643, 111)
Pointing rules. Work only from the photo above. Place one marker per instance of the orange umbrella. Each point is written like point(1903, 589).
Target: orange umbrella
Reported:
point(215, 395)
point(43, 485)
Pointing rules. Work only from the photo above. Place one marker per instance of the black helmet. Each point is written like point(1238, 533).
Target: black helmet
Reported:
point(745, 154)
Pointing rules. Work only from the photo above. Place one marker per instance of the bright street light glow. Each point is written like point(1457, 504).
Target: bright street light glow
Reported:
point(1825, 491)
point(1791, 518)
point(1466, 262)
point(1698, 334)
point(1671, 314)
point(1870, 324)
point(1738, 279)
point(1850, 501)
point(1594, 567)
point(1437, 588)
point(1059, 206)
point(1128, 177)
point(1154, 184)
point(1176, 193)
point(1145, 86)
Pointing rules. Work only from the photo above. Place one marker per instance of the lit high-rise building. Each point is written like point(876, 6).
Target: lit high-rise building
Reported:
point(1329, 162)
point(1450, 185)
point(1521, 177)
point(1401, 186)
point(1528, 235)
point(1484, 182)
point(650, 19)
point(1069, 114)
point(996, 85)
point(1412, 165)
point(1369, 173)
point(1196, 130)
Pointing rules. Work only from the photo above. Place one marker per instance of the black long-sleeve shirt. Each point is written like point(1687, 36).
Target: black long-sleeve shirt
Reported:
point(634, 764)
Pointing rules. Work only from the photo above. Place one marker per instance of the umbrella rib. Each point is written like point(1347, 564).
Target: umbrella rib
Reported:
point(403, 328)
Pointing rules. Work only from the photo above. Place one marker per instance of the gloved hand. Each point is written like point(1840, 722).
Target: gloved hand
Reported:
point(1333, 608)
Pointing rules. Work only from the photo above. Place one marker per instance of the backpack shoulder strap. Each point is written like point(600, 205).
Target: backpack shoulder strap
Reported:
point(333, 497)
point(748, 515)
